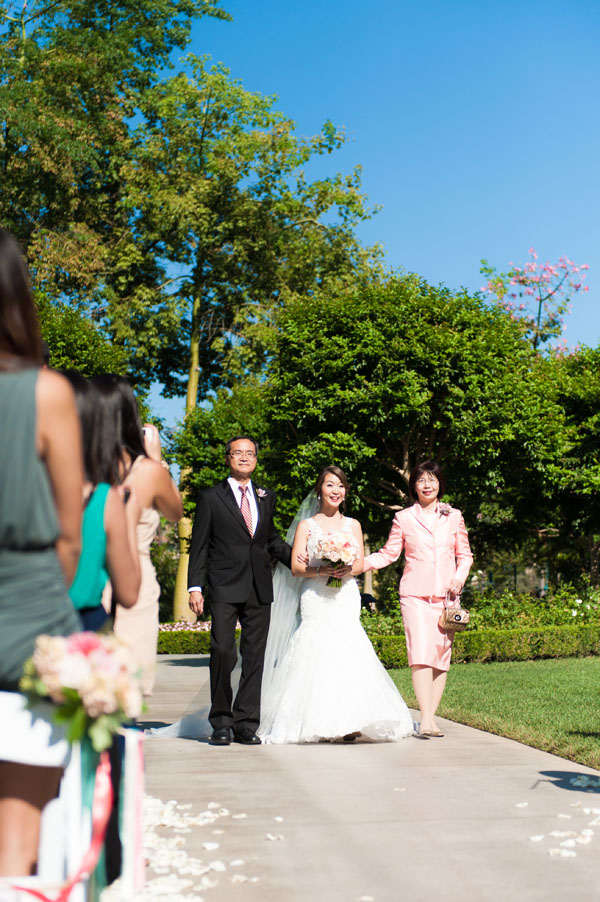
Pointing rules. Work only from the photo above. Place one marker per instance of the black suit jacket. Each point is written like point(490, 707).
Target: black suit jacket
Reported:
point(224, 557)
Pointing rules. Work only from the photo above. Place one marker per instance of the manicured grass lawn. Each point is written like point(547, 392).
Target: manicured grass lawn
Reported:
point(553, 705)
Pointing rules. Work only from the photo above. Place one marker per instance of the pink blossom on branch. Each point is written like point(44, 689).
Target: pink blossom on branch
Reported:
point(545, 290)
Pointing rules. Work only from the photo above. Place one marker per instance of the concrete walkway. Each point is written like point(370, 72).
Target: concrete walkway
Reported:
point(471, 816)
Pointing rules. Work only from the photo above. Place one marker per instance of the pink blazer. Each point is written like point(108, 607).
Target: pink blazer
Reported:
point(435, 552)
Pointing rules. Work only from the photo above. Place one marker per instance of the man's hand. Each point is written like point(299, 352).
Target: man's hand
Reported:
point(196, 602)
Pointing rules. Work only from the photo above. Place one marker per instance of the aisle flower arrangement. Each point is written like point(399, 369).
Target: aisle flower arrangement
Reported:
point(91, 679)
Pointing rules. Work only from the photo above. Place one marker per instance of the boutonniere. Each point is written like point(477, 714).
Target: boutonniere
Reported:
point(444, 510)
point(261, 493)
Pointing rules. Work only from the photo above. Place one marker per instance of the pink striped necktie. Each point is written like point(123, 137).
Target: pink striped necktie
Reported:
point(245, 508)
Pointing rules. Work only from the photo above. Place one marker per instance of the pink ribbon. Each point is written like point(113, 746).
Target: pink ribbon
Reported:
point(101, 808)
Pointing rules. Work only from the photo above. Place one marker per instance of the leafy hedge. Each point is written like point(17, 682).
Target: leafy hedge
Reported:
point(184, 642)
point(503, 645)
point(472, 645)
point(564, 606)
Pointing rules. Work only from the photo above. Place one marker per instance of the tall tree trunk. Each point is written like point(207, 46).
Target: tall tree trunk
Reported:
point(181, 610)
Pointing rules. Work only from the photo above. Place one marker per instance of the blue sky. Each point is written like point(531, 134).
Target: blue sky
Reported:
point(476, 123)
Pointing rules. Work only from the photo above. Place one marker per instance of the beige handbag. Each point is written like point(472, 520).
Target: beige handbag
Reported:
point(453, 617)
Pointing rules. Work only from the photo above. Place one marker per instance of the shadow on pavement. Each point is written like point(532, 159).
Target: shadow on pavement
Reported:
point(564, 779)
point(189, 662)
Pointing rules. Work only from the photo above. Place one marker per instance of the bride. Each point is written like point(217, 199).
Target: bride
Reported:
point(322, 678)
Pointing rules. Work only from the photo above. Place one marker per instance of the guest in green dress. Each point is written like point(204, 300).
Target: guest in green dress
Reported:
point(109, 518)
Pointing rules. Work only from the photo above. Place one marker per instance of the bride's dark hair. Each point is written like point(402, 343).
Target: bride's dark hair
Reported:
point(335, 471)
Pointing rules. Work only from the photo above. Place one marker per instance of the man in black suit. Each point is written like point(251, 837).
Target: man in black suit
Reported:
point(233, 541)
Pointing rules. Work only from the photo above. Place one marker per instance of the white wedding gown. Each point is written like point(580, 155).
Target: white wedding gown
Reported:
point(330, 681)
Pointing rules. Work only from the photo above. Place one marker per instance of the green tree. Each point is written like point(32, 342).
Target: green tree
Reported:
point(217, 187)
point(377, 380)
point(574, 539)
point(73, 74)
point(75, 342)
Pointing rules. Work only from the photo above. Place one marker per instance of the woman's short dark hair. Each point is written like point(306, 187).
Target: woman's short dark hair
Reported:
point(101, 447)
point(19, 329)
point(335, 471)
point(427, 466)
point(117, 403)
point(238, 438)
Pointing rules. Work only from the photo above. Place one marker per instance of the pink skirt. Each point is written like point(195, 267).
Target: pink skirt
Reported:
point(426, 643)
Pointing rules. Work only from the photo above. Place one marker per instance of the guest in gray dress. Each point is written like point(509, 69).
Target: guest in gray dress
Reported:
point(41, 483)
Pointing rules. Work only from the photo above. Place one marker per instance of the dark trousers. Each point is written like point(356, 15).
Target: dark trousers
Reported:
point(254, 618)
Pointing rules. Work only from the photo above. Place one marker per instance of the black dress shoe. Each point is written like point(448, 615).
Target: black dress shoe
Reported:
point(220, 737)
point(246, 736)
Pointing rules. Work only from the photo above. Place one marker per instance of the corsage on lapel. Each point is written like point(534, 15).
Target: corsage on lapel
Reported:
point(261, 493)
point(444, 509)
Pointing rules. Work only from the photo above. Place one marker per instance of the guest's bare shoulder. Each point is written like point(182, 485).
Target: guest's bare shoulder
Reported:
point(53, 388)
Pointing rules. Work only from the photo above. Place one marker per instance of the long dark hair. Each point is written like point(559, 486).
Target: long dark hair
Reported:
point(335, 471)
point(101, 447)
point(117, 403)
point(19, 329)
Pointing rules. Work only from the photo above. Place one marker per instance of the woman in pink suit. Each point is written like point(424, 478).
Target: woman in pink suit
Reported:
point(437, 559)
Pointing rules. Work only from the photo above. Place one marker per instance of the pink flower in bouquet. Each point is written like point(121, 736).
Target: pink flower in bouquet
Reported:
point(91, 678)
point(337, 548)
point(84, 643)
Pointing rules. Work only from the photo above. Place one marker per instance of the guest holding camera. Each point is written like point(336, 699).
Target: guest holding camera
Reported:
point(437, 561)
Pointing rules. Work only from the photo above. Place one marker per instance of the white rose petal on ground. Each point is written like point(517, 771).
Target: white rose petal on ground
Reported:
point(587, 832)
point(210, 846)
point(583, 840)
point(238, 817)
point(399, 788)
point(238, 878)
point(237, 862)
point(218, 832)
point(537, 838)
point(563, 833)
point(279, 819)
point(595, 822)
point(273, 837)
point(521, 804)
point(565, 817)
point(213, 805)
point(223, 812)
point(567, 853)
point(567, 843)
point(366, 899)
point(217, 866)
point(553, 852)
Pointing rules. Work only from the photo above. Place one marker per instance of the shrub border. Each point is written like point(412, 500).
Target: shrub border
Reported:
point(525, 644)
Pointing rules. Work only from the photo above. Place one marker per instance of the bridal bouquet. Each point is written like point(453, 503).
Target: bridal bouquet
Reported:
point(91, 679)
point(337, 549)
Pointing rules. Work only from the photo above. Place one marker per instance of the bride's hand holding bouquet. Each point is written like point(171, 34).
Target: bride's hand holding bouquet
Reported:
point(339, 551)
